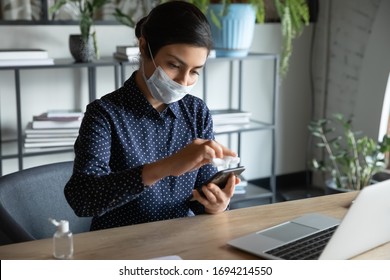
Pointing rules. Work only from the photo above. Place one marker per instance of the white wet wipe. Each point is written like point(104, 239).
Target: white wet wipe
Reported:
point(226, 162)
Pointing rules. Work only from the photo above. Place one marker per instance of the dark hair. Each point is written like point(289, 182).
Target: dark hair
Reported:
point(174, 22)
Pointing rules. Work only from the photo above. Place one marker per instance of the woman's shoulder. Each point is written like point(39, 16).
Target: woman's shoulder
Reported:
point(120, 97)
point(111, 104)
point(194, 106)
point(194, 102)
point(109, 99)
point(127, 92)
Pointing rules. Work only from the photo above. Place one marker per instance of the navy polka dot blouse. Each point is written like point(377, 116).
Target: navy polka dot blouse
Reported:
point(119, 134)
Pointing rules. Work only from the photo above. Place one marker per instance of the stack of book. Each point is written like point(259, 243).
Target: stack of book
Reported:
point(240, 188)
point(52, 130)
point(230, 119)
point(24, 57)
point(126, 52)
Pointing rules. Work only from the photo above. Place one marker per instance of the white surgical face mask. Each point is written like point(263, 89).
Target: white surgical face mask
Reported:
point(163, 88)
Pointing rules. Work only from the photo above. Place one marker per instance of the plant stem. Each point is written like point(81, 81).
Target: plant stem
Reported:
point(331, 156)
point(355, 181)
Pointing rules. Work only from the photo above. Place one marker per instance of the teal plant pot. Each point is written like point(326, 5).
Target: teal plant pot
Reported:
point(235, 37)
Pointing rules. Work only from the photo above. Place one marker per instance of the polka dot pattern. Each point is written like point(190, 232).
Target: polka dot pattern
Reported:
point(119, 134)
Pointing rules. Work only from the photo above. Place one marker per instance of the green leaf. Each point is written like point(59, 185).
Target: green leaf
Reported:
point(315, 164)
point(334, 140)
point(329, 130)
point(57, 6)
point(215, 19)
point(317, 134)
point(323, 122)
point(123, 18)
point(260, 10)
point(339, 117)
point(321, 145)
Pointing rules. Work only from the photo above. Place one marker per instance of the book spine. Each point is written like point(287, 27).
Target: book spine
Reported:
point(55, 124)
point(23, 54)
point(64, 114)
point(121, 56)
point(127, 50)
point(26, 62)
point(48, 144)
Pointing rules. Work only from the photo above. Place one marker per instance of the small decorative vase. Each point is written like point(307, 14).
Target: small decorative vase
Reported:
point(235, 36)
point(81, 50)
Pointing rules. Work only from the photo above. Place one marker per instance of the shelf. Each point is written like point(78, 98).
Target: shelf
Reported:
point(252, 126)
point(10, 150)
point(253, 192)
point(67, 63)
point(250, 56)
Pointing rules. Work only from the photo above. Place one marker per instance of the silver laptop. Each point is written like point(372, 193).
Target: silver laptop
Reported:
point(314, 236)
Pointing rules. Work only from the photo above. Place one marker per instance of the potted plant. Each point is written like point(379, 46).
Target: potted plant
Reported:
point(350, 159)
point(83, 46)
point(293, 14)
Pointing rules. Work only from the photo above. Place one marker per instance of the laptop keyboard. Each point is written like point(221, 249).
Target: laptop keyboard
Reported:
point(307, 248)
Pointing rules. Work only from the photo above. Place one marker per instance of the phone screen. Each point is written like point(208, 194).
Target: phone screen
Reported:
point(221, 177)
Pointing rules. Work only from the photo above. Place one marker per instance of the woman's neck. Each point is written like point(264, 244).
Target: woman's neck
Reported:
point(139, 80)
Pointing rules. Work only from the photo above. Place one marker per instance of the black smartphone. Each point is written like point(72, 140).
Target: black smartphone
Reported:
point(221, 177)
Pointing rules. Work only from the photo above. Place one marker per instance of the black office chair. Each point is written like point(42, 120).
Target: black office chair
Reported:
point(28, 198)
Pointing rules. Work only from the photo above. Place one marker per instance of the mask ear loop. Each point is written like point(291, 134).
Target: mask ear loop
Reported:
point(151, 55)
point(143, 63)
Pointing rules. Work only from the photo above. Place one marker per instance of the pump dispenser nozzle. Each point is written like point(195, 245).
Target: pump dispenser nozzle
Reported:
point(62, 226)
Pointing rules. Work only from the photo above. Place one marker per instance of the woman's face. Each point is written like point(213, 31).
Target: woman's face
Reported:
point(181, 62)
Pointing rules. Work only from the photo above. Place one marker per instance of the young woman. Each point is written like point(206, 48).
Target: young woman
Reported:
point(143, 148)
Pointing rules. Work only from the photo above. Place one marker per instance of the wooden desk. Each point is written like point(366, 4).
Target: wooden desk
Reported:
point(201, 237)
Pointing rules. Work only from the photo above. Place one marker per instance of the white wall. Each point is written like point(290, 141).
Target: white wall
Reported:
point(60, 88)
point(374, 75)
point(351, 64)
point(354, 41)
point(293, 108)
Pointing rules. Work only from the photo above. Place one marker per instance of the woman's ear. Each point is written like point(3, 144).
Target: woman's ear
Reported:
point(142, 46)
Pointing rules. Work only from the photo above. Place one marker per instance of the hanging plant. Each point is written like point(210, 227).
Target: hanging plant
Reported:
point(293, 14)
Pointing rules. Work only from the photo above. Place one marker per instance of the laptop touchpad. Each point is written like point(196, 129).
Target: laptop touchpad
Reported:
point(288, 231)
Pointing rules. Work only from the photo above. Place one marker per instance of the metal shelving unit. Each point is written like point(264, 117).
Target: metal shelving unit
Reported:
point(253, 192)
point(58, 63)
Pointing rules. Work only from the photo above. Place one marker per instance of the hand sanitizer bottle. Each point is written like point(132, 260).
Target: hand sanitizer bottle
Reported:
point(62, 240)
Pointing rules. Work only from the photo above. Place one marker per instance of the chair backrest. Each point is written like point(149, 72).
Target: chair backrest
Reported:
point(28, 198)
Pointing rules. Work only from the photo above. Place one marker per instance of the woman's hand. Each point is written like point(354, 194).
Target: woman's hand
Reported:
point(193, 156)
point(197, 154)
point(216, 200)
